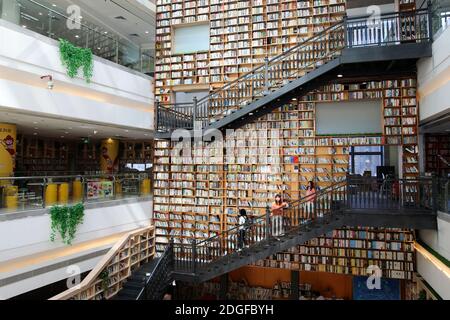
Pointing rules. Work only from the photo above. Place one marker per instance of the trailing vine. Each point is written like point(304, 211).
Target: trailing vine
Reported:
point(73, 58)
point(65, 220)
point(104, 276)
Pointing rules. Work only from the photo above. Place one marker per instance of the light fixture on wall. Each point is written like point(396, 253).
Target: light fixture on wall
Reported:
point(50, 83)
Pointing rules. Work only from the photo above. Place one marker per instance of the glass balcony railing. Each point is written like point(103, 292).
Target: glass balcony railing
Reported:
point(37, 16)
point(20, 194)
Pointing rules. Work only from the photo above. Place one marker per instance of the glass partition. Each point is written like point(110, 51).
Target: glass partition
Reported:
point(32, 193)
point(37, 16)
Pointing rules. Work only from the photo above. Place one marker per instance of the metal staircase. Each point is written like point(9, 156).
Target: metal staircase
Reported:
point(353, 46)
point(354, 202)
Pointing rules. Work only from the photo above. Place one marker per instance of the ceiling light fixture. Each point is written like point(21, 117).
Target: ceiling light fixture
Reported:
point(340, 76)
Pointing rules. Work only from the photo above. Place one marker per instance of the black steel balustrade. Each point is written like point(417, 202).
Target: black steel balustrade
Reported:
point(304, 219)
point(157, 283)
point(386, 30)
point(191, 258)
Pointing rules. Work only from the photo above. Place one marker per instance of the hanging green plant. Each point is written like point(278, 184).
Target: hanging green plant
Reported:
point(74, 58)
point(65, 220)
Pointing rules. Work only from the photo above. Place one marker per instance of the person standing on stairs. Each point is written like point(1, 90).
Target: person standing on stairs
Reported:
point(277, 211)
point(310, 199)
point(243, 222)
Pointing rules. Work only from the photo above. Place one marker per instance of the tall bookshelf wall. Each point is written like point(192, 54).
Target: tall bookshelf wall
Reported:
point(198, 197)
point(352, 251)
point(242, 35)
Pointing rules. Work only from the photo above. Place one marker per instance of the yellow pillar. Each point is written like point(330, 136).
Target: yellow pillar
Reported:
point(11, 197)
point(118, 188)
point(109, 155)
point(8, 136)
point(63, 193)
point(51, 194)
point(77, 187)
point(145, 187)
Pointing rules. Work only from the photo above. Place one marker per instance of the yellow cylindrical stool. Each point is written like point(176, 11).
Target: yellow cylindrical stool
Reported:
point(118, 188)
point(51, 194)
point(77, 191)
point(145, 187)
point(11, 197)
point(63, 193)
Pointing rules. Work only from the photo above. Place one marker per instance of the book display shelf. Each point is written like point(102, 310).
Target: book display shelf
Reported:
point(352, 251)
point(437, 154)
point(197, 197)
point(242, 34)
point(107, 278)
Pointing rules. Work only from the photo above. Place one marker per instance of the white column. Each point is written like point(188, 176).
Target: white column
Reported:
point(11, 11)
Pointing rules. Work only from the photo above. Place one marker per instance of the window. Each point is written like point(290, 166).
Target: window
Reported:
point(366, 159)
point(190, 39)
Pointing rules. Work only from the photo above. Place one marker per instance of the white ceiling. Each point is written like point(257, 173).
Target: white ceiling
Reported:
point(140, 17)
point(33, 124)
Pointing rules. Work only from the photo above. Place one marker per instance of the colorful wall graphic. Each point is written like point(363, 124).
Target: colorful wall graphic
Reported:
point(8, 137)
point(109, 157)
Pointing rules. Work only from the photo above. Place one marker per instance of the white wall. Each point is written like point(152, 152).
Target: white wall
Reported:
point(25, 56)
point(42, 280)
point(439, 240)
point(434, 78)
point(438, 280)
point(20, 97)
point(31, 235)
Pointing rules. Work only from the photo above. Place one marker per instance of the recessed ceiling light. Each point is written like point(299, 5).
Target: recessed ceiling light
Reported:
point(24, 26)
point(67, 132)
point(77, 36)
point(34, 122)
point(340, 76)
point(147, 32)
point(95, 131)
point(127, 130)
point(40, 13)
point(35, 134)
point(53, 5)
point(62, 137)
point(36, 128)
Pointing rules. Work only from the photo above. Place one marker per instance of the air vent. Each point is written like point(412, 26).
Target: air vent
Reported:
point(120, 18)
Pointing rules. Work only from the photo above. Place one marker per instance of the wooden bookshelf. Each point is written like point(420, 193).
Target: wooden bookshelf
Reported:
point(352, 251)
point(107, 278)
point(242, 35)
point(278, 153)
point(437, 147)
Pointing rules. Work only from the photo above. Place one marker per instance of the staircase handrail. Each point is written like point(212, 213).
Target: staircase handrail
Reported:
point(301, 44)
point(294, 204)
point(93, 276)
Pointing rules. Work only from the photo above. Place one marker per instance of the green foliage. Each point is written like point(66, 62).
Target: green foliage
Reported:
point(104, 276)
point(73, 58)
point(65, 220)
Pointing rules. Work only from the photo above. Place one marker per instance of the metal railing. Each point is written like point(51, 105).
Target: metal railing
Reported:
point(190, 258)
point(393, 196)
point(390, 29)
point(440, 15)
point(38, 16)
point(157, 282)
point(38, 192)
